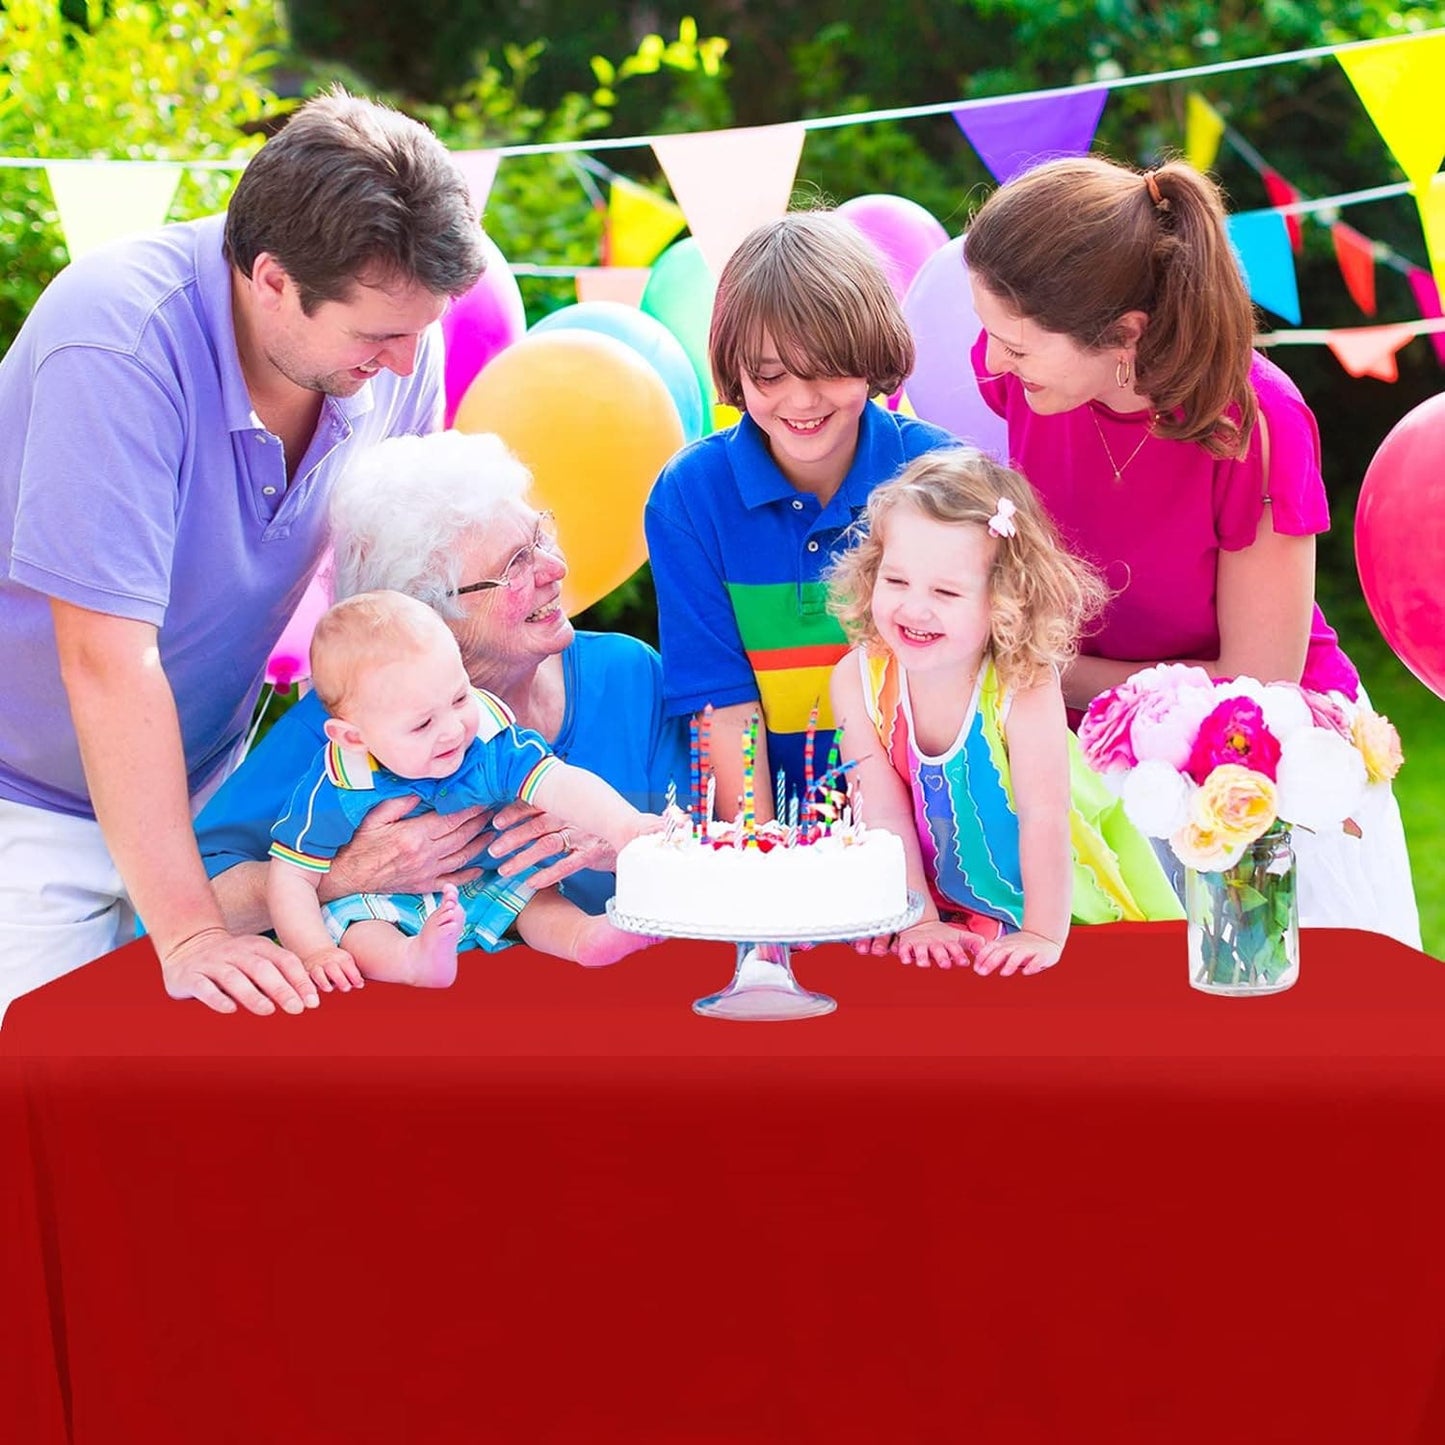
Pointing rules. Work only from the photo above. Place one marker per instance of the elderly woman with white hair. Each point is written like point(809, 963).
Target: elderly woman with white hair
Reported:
point(445, 519)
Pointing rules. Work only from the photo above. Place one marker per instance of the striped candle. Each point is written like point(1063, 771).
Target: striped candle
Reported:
point(705, 743)
point(810, 743)
point(750, 770)
point(694, 762)
point(780, 797)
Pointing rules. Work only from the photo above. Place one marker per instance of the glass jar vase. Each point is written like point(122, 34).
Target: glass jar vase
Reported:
point(1244, 921)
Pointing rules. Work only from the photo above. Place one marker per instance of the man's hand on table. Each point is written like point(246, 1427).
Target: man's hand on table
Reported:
point(226, 970)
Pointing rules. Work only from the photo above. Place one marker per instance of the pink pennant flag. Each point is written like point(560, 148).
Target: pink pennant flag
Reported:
point(1356, 255)
point(730, 181)
point(613, 283)
point(1281, 193)
point(1012, 134)
point(480, 170)
point(1427, 298)
point(1370, 350)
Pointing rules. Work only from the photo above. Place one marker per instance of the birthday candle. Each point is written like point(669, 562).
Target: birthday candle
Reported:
point(711, 802)
point(750, 768)
point(705, 743)
point(694, 761)
point(671, 794)
point(810, 742)
point(780, 806)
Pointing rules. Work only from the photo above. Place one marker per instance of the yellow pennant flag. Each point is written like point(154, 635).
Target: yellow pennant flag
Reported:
point(99, 201)
point(1203, 130)
point(1400, 84)
point(1432, 219)
point(639, 224)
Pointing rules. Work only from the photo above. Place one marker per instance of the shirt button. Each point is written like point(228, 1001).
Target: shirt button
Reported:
point(797, 506)
point(812, 546)
point(268, 491)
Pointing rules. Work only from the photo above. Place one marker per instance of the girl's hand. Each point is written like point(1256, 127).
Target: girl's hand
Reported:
point(332, 968)
point(934, 941)
point(1020, 952)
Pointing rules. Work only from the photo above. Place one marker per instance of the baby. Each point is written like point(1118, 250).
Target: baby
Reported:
point(405, 719)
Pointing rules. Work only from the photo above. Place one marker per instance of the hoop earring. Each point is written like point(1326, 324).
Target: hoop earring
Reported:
point(1122, 372)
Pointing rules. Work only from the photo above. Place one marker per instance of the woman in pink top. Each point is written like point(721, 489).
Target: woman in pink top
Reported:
point(1118, 345)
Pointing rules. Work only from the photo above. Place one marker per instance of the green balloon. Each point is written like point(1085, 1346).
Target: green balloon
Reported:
point(679, 294)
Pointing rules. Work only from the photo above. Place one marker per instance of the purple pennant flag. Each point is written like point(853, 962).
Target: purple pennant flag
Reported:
point(1013, 134)
point(1427, 298)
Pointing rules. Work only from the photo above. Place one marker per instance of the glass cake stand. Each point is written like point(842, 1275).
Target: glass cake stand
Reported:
point(763, 987)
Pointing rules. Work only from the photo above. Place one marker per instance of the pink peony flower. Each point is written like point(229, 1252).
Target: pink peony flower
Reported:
point(1326, 712)
point(1104, 734)
point(1234, 732)
point(1166, 724)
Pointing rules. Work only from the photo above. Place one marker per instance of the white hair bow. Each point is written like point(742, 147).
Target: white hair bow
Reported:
point(1001, 524)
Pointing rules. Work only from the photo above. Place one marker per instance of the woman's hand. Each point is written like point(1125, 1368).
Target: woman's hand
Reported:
point(392, 853)
point(527, 835)
point(1017, 953)
point(934, 941)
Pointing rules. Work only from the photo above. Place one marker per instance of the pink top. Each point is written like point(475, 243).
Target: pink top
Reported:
point(1157, 531)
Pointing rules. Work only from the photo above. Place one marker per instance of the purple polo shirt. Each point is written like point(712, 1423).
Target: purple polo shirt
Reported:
point(136, 480)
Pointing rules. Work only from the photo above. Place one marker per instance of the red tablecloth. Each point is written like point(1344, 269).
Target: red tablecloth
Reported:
point(553, 1205)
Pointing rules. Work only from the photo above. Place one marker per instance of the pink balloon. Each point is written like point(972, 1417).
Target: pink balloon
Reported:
point(290, 659)
point(1400, 539)
point(902, 232)
point(939, 311)
point(475, 327)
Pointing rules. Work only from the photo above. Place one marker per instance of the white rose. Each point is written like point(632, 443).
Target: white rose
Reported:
point(1321, 778)
point(1285, 710)
point(1156, 798)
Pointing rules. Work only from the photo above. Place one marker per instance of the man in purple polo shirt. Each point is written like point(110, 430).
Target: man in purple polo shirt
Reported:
point(172, 414)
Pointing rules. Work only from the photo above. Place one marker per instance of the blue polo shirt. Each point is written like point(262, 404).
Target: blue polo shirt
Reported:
point(737, 553)
point(136, 480)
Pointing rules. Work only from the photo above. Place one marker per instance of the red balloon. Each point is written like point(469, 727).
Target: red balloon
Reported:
point(1400, 541)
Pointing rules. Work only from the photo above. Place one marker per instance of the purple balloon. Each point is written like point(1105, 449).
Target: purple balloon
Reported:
point(902, 232)
point(939, 311)
point(475, 327)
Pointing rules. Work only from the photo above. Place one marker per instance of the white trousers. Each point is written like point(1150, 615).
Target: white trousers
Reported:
point(61, 899)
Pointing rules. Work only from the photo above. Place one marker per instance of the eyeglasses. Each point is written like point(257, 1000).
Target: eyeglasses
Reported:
point(514, 574)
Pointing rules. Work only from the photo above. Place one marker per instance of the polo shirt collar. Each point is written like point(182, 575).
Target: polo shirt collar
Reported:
point(213, 276)
point(878, 457)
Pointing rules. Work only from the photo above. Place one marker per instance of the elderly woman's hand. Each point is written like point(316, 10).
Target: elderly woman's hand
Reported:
point(391, 853)
point(527, 835)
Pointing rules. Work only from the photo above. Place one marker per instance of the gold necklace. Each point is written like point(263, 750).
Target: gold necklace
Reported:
point(1117, 468)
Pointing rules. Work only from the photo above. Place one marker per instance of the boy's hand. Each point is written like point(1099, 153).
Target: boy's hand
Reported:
point(333, 968)
point(935, 942)
point(1020, 952)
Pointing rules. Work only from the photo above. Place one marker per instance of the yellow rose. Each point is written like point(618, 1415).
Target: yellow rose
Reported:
point(1205, 850)
point(1379, 745)
point(1236, 803)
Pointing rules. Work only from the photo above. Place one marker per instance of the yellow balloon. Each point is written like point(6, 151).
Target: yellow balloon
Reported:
point(594, 423)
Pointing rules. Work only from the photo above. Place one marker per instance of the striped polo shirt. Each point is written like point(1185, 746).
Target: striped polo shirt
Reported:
point(737, 554)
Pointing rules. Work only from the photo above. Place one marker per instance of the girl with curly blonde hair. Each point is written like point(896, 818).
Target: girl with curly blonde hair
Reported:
point(963, 606)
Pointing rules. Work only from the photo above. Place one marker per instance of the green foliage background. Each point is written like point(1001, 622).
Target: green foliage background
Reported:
point(189, 79)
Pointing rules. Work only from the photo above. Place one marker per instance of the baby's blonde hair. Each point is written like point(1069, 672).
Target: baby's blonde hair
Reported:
point(368, 630)
point(1041, 595)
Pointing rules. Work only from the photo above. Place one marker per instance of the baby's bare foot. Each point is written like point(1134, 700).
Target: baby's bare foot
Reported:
point(599, 943)
point(432, 954)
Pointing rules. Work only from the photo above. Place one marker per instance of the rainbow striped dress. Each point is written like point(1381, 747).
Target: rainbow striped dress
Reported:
point(964, 813)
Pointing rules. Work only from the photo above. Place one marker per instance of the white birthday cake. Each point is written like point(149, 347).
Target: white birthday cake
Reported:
point(742, 883)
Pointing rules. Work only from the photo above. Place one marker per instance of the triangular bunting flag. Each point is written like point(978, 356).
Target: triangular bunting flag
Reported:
point(1370, 350)
point(1356, 255)
point(613, 283)
point(100, 201)
point(1203, 130)
point(640, 223)
point(1010, 135)
point(1399, 83)
point(1262, 245)
point(1431, 201)
point(730, 181)
point(1281, 193)
point(1427, 298)
point(480, 170)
